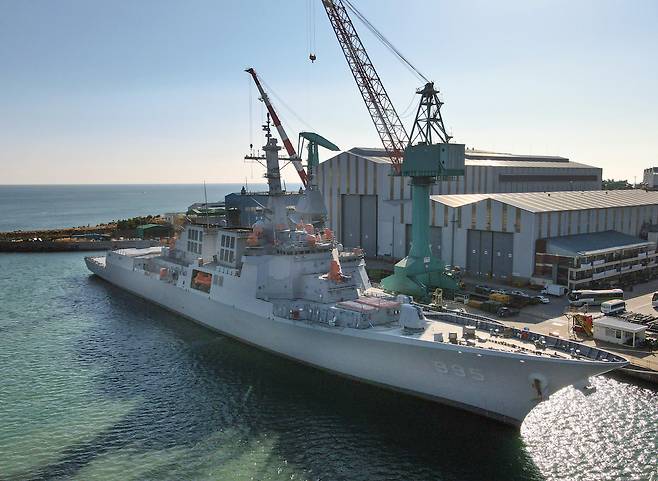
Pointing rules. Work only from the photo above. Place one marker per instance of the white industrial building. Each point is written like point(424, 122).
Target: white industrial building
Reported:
point(497, 235)
point(650, 178)
point(575, 239)
point(369, 207)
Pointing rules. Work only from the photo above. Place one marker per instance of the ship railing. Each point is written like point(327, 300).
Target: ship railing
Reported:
point(321, 315)
point(497, 328)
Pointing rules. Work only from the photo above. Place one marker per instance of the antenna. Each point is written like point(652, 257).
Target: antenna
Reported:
point(205, 195)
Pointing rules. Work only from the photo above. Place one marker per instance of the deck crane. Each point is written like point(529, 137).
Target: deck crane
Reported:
point(423, 155)
point(294, 158)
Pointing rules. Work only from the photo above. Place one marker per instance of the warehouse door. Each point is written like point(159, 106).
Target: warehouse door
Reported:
point(407, 239)
point(368, 216)
point(473, 252)
point(503, 246)
point(486, 244)
point(350, 227)
point(435, 241)
point(479, 257)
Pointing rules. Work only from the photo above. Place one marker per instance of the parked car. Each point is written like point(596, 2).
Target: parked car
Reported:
point(542, 299)
point(507, 312)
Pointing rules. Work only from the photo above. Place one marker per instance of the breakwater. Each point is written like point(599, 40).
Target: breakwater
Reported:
point(73, 245)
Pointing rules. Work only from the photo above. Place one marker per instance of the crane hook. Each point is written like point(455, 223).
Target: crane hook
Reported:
point(312, 57)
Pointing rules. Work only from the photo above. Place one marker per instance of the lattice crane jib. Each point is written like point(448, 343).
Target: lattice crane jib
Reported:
point(387, 122)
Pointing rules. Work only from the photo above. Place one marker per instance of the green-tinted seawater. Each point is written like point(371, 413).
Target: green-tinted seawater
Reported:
point(99, 385)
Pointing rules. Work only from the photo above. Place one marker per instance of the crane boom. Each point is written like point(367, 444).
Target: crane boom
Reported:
point(294, 158)
point(387, 122)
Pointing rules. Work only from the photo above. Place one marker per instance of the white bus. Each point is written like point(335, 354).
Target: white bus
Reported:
point(594, 297)
point(616, 306)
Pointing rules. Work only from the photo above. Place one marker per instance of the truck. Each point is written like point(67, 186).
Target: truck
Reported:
point(554, 290)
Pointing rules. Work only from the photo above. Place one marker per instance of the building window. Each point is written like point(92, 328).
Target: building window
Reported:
point(504, 224)
point(517, 221)
point(473, 215)
point(445, 216)
point(391, 178)
point(488, 214)
point(459, 217)
point(349, 172)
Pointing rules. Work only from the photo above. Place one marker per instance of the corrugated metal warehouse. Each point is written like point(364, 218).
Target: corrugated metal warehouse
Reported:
point(368, 207)
point(492, 234)
point(506, 236)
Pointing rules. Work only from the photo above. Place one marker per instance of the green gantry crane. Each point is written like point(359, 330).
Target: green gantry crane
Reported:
point(424, 156)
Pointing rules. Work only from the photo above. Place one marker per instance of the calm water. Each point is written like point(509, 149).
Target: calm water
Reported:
point(46, 206)
point(97, 384)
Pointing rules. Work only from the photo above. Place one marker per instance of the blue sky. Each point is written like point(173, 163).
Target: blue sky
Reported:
point(154, 91)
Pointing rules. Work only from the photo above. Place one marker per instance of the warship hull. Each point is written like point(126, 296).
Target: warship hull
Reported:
point(496, 384)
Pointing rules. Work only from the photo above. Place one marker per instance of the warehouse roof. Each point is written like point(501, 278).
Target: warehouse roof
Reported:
point(485, 158)
point(558, 201)
point(591, 243)
point(607, 321)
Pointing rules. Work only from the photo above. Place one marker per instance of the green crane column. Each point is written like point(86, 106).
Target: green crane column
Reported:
point(420, 270)
point(420, 219)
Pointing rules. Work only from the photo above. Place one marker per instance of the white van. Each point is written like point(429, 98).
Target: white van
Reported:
point(613, 307)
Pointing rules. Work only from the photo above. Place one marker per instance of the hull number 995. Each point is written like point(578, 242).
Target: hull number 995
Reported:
point(458, 371)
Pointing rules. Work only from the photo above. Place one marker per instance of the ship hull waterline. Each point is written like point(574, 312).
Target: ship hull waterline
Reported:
point(500, 388)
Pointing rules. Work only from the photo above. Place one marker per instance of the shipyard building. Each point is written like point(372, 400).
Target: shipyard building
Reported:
point(370, 208)
point(509, 217)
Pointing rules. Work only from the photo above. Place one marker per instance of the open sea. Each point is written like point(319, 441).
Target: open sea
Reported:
point(26, 207)
point(96, 384)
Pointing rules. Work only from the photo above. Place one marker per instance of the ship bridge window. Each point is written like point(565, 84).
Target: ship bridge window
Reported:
point(194, 240)
point(194, 247)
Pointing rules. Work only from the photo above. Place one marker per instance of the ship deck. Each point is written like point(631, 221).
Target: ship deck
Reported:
point(449, 327)
point(494, 339)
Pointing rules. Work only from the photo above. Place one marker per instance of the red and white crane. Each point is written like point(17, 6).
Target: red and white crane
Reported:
point(428, 126)
point(387, 122)
point(294, 158)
